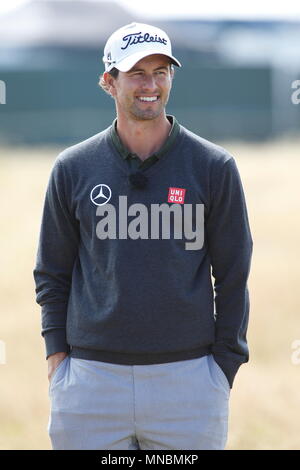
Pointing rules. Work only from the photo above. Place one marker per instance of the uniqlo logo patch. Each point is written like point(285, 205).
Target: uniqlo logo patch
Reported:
point(176, 195)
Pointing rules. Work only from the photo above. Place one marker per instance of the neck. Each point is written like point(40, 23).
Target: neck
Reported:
point(143, 137)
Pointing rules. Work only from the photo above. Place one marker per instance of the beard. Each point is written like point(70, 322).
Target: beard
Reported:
point(148, 113)
point(143, 112)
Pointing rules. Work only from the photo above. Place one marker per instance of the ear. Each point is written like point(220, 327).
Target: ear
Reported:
point(110, 82)
point(172, 72)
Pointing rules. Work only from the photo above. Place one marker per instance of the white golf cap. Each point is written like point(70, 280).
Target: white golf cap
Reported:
point(131, 43)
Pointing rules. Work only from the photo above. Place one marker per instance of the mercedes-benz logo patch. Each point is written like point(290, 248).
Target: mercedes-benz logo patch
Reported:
point(100, 194)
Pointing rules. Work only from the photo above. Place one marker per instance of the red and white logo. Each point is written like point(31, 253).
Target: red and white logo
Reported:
point(176, 195)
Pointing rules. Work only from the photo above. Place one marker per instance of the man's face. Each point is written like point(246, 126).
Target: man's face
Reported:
point(143, 92)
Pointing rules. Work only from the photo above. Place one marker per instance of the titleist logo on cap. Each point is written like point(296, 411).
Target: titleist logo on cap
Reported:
point(136, 38)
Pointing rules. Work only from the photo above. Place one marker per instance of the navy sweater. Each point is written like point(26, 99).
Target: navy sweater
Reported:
point(117, 285)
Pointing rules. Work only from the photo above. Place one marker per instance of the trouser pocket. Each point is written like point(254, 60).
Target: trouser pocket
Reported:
point(58, 373)
point(217, 376)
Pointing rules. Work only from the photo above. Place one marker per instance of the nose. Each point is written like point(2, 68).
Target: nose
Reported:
point(149, 82)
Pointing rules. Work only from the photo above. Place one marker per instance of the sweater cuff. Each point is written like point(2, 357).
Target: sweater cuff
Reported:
point(55, 341)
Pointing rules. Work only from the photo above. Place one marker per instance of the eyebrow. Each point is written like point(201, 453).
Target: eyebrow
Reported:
point(136, 69)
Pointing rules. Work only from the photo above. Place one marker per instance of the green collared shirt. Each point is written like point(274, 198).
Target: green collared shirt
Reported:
point(134, 161)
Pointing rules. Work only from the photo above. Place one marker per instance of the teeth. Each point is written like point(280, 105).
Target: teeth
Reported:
point(148, 98)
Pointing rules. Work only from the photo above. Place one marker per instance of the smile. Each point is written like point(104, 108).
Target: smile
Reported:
point(148, 99)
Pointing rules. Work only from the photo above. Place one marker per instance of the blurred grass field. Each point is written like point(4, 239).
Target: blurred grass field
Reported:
point(265, 400)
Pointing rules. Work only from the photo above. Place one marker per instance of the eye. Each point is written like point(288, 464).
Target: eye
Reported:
point(160, 73)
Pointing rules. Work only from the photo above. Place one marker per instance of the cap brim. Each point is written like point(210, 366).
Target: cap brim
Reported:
point(126, 64)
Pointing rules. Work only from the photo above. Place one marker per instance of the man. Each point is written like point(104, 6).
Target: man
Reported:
point(141, 354)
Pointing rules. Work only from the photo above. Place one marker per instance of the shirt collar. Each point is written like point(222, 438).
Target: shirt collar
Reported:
point(126, 154)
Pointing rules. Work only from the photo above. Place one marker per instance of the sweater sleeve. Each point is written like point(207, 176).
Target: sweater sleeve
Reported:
point(230, 248)
point(57, 251)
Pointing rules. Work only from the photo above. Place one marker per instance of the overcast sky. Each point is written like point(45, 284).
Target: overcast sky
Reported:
point(255, 9)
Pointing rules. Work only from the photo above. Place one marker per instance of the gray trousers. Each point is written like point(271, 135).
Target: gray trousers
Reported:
point(178, 405)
